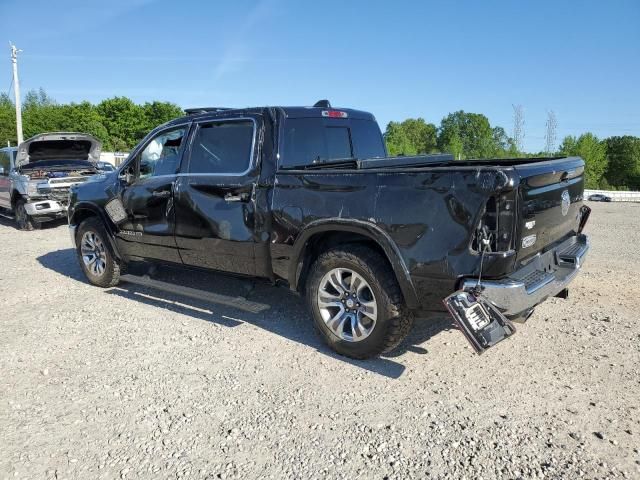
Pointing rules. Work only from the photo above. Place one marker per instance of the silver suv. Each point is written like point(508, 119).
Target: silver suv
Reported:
point(36, 176)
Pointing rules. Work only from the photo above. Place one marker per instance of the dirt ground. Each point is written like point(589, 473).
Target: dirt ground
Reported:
point(130, 383)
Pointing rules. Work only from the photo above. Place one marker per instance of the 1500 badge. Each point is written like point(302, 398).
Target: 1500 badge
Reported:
point(131, 233)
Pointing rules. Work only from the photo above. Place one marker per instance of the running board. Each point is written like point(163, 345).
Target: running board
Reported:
point(235, 302)
point(8, 216)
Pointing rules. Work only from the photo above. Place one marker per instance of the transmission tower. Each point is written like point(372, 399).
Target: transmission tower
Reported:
point(550, 136)
point(518, 126)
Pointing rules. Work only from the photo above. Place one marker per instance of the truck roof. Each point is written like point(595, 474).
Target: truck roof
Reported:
point(287, 112)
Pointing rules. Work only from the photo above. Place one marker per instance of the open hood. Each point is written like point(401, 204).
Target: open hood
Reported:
point(59, 146)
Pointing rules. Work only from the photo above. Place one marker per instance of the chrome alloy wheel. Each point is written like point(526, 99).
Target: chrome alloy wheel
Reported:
point(347, 304)
point(93, 253)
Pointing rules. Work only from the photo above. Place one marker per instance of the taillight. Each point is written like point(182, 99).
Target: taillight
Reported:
point(494, 232)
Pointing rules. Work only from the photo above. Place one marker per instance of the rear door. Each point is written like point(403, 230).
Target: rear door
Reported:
point(551, 195)
point(215, 196)
point(148, 231)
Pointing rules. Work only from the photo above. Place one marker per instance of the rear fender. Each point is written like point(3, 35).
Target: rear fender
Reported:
point(366, 229)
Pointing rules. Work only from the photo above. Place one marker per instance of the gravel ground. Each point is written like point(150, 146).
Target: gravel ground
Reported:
point(126, 383)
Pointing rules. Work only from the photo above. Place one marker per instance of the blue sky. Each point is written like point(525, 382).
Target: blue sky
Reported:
point(397, 59)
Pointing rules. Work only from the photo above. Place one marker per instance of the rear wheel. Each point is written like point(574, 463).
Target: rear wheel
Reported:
point(356, 302)
point(23, 221)
point(95, 255)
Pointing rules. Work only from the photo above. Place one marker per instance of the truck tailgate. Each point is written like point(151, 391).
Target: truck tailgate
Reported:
point(550, 196)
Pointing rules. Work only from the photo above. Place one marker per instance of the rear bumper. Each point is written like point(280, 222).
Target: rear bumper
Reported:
point(546, 275)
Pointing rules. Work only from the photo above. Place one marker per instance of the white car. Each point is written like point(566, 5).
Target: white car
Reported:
point(36, 176)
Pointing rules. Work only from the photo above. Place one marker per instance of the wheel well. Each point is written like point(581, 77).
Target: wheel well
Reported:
point(15, 196)
point(321, 242)
point(81, 215)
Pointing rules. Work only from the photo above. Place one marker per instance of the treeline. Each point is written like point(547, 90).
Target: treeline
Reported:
point(611, 164)
point(118, 122)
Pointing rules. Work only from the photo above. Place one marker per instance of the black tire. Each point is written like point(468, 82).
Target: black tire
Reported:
point(110, 275)
point(23, 222)
point(394, 319)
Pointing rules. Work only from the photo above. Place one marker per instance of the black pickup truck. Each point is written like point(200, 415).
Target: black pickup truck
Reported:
point(307, 197)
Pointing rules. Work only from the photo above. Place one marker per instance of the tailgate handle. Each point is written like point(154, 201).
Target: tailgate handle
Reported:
point(564, 176)
point(241, 197)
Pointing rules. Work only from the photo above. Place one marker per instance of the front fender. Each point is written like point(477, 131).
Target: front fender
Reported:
point(367, 229)
point(82, 210)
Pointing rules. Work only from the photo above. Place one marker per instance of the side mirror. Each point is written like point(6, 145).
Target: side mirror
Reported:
point(127, 176)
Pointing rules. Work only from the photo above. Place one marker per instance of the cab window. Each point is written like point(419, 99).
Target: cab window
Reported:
point(222, 147)
point(161, 156)
point(307, 141)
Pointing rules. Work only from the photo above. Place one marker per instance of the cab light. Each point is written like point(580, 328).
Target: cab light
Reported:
point(334, 114)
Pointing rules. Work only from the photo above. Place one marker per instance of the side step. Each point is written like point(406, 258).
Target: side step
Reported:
point(235, 302)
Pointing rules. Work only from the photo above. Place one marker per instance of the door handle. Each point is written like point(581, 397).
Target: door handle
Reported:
point(242, 197)
point(161, 194)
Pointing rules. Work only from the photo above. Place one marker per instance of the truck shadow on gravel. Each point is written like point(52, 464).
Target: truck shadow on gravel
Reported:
point(286, 315)
point(7, 220)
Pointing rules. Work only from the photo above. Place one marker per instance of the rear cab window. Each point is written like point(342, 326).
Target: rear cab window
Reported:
point(314, 140)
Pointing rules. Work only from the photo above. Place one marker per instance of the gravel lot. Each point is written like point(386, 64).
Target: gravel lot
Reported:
point(128, 383)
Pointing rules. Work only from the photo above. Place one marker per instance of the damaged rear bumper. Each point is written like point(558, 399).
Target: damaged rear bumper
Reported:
point(546, 275)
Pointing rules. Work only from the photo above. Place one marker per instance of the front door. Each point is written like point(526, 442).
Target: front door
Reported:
point(5, 180)
point(214, 203)
point(148, 198)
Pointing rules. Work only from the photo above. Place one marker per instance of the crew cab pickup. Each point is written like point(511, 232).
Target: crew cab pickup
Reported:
point(307, 197)
point(35, 177)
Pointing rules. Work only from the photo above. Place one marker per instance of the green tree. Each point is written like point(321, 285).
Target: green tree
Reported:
point(503, 144)
point(7, 121)
point(623, 154)
point(592, 151)
point(455, 146)
point(156, 113)
point(40, 113)
point(472, 130)
point(124, 121)
point(410, 137)
point(421, 134)
point(397, 140)
point(84, 117)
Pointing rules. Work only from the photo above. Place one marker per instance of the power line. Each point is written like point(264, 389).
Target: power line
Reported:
point(10, 86)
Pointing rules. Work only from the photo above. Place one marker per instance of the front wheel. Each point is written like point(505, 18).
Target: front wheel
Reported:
point(356, 302)
point(95, 255)
point(23, 221)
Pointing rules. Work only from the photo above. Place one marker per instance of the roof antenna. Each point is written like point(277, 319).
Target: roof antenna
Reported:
point(322, 104)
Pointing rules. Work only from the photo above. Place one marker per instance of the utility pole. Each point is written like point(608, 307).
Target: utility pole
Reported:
point(16, 91)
